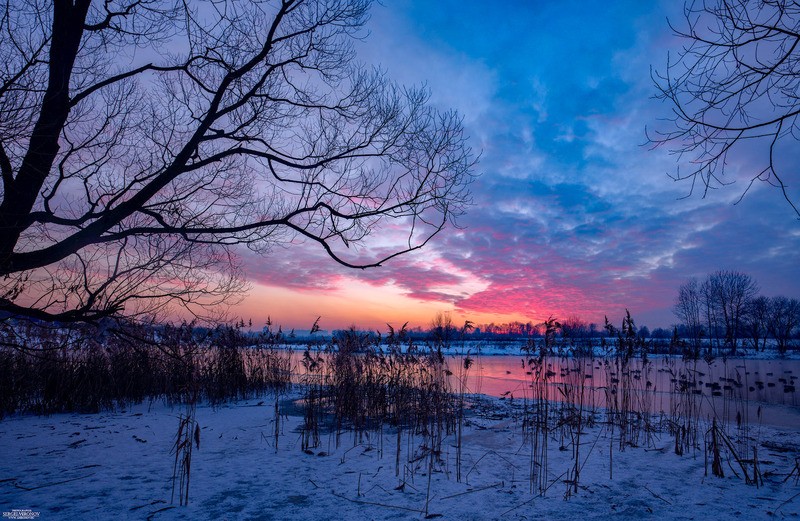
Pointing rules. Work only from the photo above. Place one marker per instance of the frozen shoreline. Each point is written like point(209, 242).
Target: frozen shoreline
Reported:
point(118, 464)
point(516, 348)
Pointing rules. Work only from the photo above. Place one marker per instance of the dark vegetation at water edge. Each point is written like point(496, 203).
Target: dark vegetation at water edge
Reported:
point(48, 368)
point(84, 368)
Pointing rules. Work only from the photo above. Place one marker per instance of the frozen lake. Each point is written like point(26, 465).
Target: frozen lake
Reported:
point(757, 390)
point(722, 386)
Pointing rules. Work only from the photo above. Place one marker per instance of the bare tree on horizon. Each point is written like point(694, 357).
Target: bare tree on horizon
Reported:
point(730, 291)
point(688, 308)
point(142, 141)
point(783, 318)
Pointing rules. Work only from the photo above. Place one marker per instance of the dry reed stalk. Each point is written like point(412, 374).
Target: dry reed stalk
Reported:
point(188, 435)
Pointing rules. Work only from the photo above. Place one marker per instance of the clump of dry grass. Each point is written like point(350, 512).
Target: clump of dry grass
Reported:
point(361, 386)
point(88, 369)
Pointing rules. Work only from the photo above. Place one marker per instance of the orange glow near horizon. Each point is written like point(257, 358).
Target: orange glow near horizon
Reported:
point(360, 304)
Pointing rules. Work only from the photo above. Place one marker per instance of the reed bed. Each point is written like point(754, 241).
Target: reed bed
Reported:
point(357, 385)
point(571, 387)
point(45, 370)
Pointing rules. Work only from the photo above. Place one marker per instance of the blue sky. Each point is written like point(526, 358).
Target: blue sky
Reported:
point(573, 213)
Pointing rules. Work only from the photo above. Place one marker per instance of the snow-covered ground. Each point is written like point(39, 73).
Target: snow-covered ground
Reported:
point(118, 465)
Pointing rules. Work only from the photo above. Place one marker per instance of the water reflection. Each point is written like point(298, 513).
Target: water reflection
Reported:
point(723, 387)
point(732, 390)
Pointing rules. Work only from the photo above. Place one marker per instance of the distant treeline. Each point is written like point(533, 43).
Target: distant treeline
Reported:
point(725, 312)
point(717, 316)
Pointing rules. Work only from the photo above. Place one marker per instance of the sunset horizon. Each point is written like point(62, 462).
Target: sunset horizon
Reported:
point(573, 212)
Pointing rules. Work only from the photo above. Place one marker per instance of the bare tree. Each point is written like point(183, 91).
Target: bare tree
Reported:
point(689, 308)
point(783, 319)
point(716, 308)
point(141, 141)
point(733, 89)
point(575, 330)
point(711, 313)
point(442, 330)
point(755, 320)
point(728, 293)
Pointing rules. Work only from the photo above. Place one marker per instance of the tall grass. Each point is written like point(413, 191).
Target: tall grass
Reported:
point(47, 370)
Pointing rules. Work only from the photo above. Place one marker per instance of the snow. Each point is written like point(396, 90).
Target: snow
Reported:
point(119, 465)
point(515, 347)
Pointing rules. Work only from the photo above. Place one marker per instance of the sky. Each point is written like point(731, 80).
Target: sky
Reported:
point(573, 214)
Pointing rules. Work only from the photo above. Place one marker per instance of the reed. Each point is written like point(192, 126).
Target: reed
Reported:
point(187, 436)
point(86, 369)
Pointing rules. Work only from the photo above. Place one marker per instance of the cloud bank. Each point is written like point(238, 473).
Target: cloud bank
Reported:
point(573, 213)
